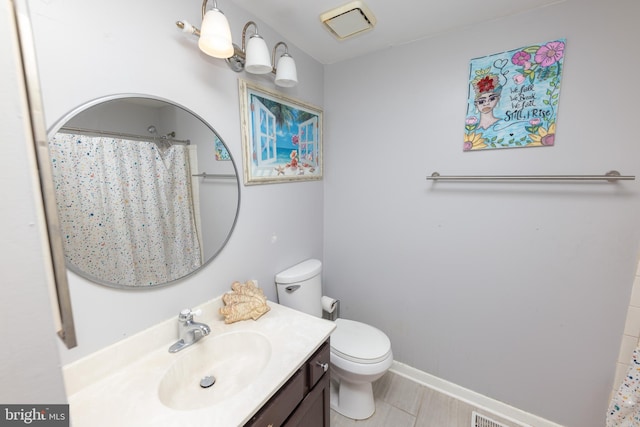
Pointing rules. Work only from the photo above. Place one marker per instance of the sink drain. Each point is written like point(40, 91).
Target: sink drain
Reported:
point(207, 381)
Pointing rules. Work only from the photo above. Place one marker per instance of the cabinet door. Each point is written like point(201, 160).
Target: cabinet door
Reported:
point(278, 409)
point(314, 409)
point(304, 400)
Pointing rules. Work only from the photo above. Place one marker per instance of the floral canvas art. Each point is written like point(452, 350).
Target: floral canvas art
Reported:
point(513, 98)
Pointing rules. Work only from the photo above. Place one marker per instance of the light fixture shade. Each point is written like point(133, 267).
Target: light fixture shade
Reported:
point(286, 73)
point(215, 35)
point(258, 59)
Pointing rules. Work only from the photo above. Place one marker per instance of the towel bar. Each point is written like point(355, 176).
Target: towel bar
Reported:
point(611, 176)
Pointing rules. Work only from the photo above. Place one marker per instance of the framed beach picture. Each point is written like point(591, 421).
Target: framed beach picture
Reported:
point(281, 137)
point(513, 97)
point(221, 151)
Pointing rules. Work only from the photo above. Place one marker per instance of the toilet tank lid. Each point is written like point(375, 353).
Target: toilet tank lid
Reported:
point(299, 272)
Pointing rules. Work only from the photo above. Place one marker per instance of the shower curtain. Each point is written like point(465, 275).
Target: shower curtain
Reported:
point(624, 409)
point(125, 209)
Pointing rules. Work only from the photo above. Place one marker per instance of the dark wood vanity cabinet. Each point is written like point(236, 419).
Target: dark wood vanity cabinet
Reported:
point(304, 400)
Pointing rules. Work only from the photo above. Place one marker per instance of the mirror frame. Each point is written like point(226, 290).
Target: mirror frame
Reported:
point(60, 283)
point(121, 96)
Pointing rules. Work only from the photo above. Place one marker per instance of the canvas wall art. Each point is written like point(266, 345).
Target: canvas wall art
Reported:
point(513, 98)
point(281, 137)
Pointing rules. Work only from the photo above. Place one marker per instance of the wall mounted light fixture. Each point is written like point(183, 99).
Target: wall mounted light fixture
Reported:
point(252, 56)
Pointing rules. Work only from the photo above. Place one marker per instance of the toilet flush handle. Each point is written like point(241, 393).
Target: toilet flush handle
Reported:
point(292, 288)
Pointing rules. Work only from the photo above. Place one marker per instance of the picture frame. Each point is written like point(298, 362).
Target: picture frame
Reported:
point(281, 137)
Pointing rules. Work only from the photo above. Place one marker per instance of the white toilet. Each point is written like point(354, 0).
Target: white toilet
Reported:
point(360, 353)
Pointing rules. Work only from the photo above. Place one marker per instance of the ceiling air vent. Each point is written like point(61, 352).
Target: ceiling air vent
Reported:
point(348, 20)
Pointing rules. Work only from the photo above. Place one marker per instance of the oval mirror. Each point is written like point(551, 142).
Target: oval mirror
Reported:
point(147, 192)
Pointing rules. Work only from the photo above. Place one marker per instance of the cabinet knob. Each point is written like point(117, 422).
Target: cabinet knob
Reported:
point(324, 366)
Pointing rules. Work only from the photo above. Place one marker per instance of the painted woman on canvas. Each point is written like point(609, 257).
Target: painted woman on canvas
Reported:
point(487, 90)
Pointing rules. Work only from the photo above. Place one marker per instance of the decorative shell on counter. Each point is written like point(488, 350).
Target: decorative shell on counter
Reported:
point(246, 301)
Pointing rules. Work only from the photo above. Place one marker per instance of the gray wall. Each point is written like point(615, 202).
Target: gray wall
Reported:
point(29, 361)
point(516, 290)
point(89, 49)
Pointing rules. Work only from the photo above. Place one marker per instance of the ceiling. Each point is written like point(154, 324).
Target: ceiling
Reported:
point(398, 21)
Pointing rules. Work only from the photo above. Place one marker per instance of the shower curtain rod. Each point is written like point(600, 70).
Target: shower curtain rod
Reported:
point(215, 175)
point(69, 129)
point(611, 176)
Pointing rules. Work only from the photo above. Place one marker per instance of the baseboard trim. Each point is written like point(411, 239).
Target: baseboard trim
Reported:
point(478, 400)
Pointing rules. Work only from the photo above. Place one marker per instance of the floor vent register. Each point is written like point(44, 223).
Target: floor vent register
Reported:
point(480, 420)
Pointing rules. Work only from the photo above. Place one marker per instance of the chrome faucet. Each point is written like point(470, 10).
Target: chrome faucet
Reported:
point(190, 331)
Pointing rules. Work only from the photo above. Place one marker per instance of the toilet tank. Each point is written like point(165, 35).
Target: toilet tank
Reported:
point(300, 287)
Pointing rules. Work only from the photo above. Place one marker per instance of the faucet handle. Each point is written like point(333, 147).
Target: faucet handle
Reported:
point(187, 314)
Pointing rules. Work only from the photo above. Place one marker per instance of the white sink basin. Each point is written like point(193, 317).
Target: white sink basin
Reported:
point(235, 359)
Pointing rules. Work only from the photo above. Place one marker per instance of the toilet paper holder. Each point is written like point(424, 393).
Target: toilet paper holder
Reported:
point(334, 314)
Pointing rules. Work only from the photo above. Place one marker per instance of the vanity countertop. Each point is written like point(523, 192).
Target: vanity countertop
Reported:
point(118, 385)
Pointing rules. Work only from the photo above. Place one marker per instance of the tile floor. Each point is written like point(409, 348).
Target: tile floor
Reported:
point(401, 402)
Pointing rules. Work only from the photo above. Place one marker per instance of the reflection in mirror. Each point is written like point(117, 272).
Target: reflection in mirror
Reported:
point(147, 193)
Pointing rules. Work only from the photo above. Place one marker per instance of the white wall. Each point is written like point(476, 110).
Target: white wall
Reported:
point(29, 361)
point(89, 49)
point(517, 291)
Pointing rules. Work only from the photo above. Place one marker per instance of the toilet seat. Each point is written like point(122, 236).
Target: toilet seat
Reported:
point(359, 342)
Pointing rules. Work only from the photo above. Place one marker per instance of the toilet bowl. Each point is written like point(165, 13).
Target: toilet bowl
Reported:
point(360, 353)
